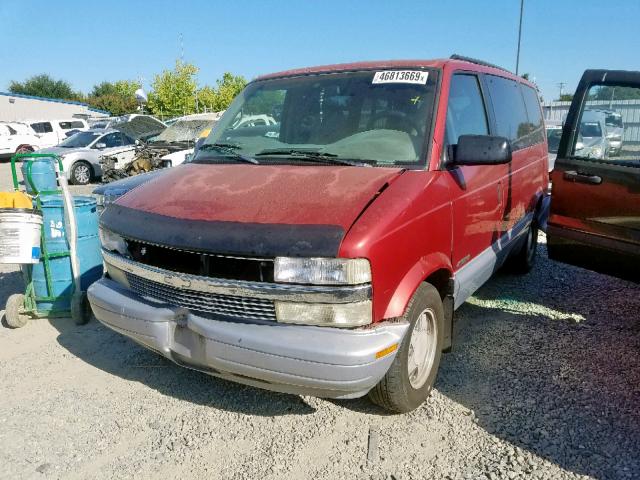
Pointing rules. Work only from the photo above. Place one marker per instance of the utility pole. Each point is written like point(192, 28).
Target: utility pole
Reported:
point(560, 86)
point(519, 36)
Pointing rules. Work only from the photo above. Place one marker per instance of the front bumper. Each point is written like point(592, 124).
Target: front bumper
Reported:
point(306, 360)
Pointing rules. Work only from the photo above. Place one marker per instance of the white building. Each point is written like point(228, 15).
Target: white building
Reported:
point(15, 106)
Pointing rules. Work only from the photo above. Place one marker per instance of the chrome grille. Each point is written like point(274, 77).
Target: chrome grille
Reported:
point(228, 305)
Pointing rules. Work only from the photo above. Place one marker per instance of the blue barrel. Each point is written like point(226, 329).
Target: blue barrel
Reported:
point(55, 237)
point(43, 174)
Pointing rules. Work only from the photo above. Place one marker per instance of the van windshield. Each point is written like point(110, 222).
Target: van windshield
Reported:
point(379, 118)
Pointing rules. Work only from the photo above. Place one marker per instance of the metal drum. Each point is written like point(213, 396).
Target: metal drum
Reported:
point(42, 173)
point(57, 295)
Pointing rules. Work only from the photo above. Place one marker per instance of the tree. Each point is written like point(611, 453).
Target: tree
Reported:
point(614, 93)
point(44, 85)
point(219, 98)
point(117, 97)
point(174, 91)
point(565, 97)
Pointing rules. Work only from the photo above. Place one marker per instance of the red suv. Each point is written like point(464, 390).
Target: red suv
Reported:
point(323, 249)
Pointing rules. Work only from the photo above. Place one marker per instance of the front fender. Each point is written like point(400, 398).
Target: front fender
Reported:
point(413, 278)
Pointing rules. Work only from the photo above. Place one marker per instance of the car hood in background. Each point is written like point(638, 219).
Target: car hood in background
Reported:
point(256, 210)
point(122, 186)
point(64, 151)
point(140, 127)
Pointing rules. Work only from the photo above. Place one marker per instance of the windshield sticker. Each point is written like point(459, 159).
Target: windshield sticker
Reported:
point(401, 76)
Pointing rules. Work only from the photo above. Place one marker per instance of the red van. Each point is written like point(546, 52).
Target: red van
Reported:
point(322, 247)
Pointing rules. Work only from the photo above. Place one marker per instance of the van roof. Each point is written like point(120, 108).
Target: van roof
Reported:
point(458, 62)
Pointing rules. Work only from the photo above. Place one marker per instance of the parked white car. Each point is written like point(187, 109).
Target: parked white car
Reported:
point(52, 132)
point(81, 153)
point(17, 137)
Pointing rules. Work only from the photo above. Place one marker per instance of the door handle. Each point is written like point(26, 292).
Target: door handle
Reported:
point(573, 176)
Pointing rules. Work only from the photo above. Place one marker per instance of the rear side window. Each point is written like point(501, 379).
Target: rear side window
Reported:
point(65, 125)
point(42, 127)
point(77, 124)
point(466, 114)
point(536, 124)
point(508, 106)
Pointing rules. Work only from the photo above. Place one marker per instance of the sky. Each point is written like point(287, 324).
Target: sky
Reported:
point(87, 42)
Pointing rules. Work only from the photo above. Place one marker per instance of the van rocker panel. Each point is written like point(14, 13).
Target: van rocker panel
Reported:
point(305, 360)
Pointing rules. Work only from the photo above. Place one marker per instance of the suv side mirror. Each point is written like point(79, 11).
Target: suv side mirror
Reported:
point(480, 150)
point(100, 146)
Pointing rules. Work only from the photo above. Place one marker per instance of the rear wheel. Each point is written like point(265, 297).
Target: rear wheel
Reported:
point(14, 311)
point(409, 380)
point(24, 149)
point(81, 173)
point(525, 258)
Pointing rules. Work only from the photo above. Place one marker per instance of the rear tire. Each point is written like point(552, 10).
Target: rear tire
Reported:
point(25, 149)
point(81, 173)
point(525, 258)
point(14, 311)
point(411, 376)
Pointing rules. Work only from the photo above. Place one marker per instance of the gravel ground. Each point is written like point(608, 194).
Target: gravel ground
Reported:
point(543, 382)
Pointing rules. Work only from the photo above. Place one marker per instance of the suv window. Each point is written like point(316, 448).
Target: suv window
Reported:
point(42, 127)
point(608, 131)
point(71, 124)
point(466, 114)
point(535, 127)
point(508, 106)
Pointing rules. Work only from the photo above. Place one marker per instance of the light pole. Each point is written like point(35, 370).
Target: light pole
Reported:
point(519, 36)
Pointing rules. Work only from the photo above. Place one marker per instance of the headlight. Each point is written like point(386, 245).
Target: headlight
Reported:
point(112, 241)
point(596, 152)
point(99, 200)
point(322, 271)
point(325, 314)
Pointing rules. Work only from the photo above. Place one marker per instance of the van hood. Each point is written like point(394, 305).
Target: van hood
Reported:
point(258, 210)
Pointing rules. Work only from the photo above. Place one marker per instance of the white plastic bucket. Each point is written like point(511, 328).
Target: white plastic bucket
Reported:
point(20, 235)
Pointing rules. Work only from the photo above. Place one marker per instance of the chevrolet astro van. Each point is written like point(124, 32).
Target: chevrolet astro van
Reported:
point(324, 253)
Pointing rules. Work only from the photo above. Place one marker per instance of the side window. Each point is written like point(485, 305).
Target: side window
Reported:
point(127, 140)
point(111, 140)
point(65, 125)
point(42, 127)
point(466, 114)
point(76, 124)
point(508, 106)
point(535, 127)
point(608, 130)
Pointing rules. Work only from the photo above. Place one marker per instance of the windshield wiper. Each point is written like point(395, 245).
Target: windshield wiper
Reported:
point(228, 149)
point(311, 156)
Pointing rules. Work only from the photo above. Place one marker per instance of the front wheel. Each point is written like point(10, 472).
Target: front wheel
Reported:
point(14, 311)
point(409, 380)
point(81, 173)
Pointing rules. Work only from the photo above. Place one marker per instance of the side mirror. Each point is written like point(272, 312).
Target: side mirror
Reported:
point(100, 146)
point(480, 150)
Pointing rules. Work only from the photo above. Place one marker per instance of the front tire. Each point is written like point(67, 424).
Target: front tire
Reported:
point(14, 311)
point(81, 173)
point(409, 380)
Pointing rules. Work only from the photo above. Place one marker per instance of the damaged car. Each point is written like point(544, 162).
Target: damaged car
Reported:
point(169, 148)
point(324, 253)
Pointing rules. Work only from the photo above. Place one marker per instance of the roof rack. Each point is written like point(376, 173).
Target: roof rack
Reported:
point(476, 61)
